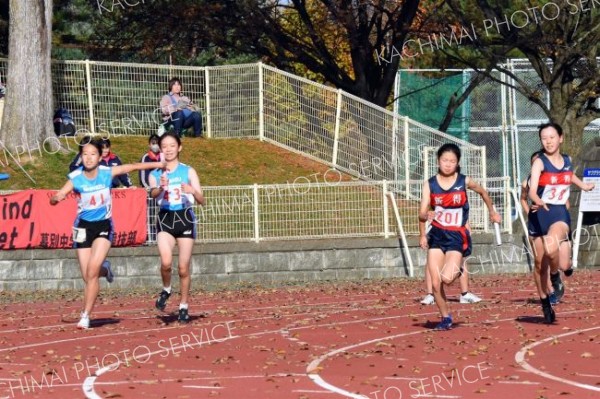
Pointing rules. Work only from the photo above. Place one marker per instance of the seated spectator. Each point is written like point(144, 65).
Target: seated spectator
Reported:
point(179, 111)
point(153, 155)
point(111, 159)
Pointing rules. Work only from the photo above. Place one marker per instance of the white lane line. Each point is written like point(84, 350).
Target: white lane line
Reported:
point(311, 391)
point(313, 367)
point(202, 387)
point(588, 375)
point(520, 359)
point(406, 378)
point(520, 382)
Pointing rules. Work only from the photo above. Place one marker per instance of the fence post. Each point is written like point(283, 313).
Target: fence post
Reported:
point(208, 113)
point(88, 79)
point(261, 103)
point(486, 220)
point(507, 212)
point(256, 215)
point(336, 131)
point(386, 216)
point(406, 156)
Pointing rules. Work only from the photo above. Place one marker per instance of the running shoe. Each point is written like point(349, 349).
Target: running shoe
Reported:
point(557, 284)
point(428, 300)
point(469, 297)
point(184, 317)
point(110, 276)
point(84, 322)
point(553, 299)
point(446, 324)
point(569, 272)
point(549, 315)
point(161, 302)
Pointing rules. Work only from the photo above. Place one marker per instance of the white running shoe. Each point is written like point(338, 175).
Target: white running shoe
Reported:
point(84, 322)
point(428, 300)
point(469, 298)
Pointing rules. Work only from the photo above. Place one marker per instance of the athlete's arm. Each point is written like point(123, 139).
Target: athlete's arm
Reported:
point(194, 187)
point(155, 190)
point(425, 205)
point(536, 171)
point(130, 167)
point(584, 186)
point(472, 185)
point(523, 201)
point(62, 193)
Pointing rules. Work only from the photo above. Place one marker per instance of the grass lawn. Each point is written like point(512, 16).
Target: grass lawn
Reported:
point(218, 163)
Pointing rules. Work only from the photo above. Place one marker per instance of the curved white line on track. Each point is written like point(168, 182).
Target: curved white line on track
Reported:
point(88, 383)
point(313, 366)
point(520, 359)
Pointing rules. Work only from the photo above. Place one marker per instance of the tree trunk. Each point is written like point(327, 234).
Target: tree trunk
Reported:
point(572, 137)
point(27, 119)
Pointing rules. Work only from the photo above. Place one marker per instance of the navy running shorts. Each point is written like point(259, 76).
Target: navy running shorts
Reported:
point(450, 240)
point(539, 222)
point(92, 230)
point(180, 223)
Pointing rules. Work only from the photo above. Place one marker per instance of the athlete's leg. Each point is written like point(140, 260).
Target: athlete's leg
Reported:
point(435, 263)
point(186, 245)
point(97, 254)
point(166, 243)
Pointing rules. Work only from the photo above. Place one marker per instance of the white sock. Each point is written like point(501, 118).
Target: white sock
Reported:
point(84, 315)
point(183, 306)
point(168, 289)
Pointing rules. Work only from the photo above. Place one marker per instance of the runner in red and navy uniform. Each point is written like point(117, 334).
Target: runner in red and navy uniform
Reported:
point(448, 241)
point(550, 184)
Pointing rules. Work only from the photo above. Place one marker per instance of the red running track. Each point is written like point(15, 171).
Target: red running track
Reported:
point(358, 340)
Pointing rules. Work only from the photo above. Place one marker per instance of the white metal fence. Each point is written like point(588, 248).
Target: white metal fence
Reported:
point(251, 100)
point(322, 210)
point(258, 101)
point(495, 116)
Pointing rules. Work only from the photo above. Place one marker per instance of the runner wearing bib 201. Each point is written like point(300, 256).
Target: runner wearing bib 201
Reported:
point(176, 216)
point(554, 189)
point(451, 207)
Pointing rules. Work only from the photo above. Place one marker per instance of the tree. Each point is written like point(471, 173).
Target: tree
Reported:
point(371, 28)
point(561, 42)
point(27, 120)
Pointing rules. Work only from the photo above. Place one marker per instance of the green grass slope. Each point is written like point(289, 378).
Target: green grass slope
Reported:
point(218, 163)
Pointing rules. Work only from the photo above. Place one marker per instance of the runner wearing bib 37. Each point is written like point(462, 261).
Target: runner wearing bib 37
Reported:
point(549, 224)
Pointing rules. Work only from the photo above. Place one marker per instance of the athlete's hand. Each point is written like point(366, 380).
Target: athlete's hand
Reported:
point(423, 242)
point(430, 216)
point(164, 180)
point(588, 186)
point(543, 205)
point(495, 217)
point(188, 189)
point(56, 198)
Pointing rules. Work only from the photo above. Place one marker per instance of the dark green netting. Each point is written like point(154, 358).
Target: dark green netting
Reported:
point(424, 98)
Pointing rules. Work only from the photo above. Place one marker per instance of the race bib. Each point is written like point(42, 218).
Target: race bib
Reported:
point(452, 217)
point(79, 234)
point(556, 194)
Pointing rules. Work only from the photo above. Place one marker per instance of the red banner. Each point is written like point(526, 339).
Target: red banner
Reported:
point(27, 220)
